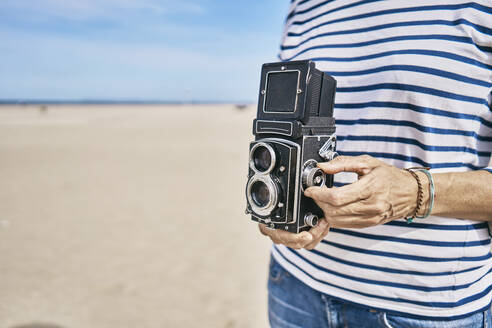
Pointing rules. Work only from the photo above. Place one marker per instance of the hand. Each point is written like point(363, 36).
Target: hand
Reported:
point(306, 239)
point(381, 194)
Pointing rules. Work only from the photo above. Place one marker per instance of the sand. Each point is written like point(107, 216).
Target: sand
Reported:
point(128, 216)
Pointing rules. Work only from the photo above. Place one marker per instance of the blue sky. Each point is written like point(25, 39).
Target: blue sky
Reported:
point(209, 50)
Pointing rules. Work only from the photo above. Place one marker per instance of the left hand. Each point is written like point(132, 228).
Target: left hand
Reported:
point(306, 239)
point(381, 194)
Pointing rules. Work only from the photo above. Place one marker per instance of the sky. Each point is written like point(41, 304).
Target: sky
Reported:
point(183, 50)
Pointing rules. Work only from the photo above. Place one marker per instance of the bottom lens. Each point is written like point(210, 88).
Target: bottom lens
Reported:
point(260, 193)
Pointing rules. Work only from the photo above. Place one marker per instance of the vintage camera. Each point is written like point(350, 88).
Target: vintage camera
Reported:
point(294, 130)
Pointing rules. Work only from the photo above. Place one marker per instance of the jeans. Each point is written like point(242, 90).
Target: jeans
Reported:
point(292, 304)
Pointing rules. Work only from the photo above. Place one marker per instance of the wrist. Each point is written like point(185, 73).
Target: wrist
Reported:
point(425, 183)
point(424, 194)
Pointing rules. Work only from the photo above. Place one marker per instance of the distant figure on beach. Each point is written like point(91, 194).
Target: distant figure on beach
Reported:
point(241, 106)
point(38, 325)
point(397, 248)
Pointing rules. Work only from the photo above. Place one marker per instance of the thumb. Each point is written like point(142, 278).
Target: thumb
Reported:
point(361, 165)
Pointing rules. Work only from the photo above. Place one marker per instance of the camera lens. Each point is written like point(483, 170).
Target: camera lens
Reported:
point(262, 158)
point(260, 193)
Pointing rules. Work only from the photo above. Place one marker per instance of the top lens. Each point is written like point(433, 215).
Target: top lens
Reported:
point(262, 158)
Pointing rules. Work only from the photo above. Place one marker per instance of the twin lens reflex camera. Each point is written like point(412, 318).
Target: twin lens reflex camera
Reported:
point(294, 130)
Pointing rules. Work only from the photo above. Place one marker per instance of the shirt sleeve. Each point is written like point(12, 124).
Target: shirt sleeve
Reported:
point(488, 168)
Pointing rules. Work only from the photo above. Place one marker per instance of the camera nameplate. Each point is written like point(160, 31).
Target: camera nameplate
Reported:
point(276, 128)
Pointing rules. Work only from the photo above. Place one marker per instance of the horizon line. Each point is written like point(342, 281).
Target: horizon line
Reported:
point(96, 101)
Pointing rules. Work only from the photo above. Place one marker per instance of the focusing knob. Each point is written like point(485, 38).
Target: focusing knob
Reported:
point(312, 175)
point(311, 219)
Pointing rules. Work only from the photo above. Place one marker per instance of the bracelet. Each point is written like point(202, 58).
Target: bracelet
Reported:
point(420, 195)
point(432, 193)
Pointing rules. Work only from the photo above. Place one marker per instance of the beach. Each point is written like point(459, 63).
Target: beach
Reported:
point(128, 216)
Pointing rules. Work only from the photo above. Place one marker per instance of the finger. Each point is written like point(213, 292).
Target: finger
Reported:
point(359, 164)
point(289, 239)
point(319, 228)
point(262, 229)
point(293, 240)
point(319, 232)
point(347, 194)
point(360, 208)
point(271, 233)
point(355, 222)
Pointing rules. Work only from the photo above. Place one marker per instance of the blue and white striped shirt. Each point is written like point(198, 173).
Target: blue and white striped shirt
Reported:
point(414, 88)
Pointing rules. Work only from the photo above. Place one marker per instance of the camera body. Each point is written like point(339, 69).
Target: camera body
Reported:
point(294, 130)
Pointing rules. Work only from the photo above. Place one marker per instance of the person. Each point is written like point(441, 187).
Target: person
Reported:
point(414, 89)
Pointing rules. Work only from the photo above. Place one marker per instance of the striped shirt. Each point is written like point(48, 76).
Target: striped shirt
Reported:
point(414, 88)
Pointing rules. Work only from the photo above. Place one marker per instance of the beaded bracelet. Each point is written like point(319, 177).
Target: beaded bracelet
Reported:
point(420, 195)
